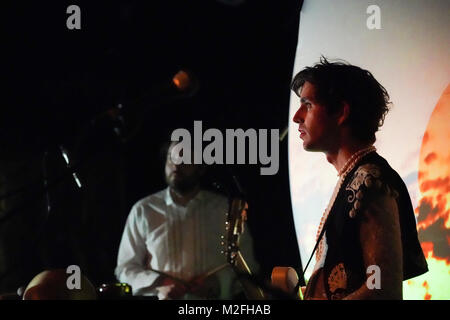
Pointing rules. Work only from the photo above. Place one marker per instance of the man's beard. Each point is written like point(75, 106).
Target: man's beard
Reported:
point(183, 186)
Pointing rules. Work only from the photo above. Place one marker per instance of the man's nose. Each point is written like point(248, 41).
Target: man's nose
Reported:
point(298, 117)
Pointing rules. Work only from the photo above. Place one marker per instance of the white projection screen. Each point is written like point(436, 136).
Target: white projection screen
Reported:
point(410, 56)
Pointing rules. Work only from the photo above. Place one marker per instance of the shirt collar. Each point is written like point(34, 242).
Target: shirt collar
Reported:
point(169, 201)
point(168, 198)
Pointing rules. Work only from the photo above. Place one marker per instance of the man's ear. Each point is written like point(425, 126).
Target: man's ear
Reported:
point(344, 113)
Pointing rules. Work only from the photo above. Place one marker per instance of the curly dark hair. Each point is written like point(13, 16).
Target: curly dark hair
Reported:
point(338, 82)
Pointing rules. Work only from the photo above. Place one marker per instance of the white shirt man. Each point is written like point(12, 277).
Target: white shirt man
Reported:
point(176, 234)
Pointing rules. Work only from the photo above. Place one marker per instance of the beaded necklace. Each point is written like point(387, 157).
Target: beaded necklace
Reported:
point(346, 168)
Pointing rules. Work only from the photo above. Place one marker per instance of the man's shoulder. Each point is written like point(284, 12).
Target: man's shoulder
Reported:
point(214, 198)
point(367, 174)
point(154, 199)
point(374, 173)
point(213, 195)
point(372, 179)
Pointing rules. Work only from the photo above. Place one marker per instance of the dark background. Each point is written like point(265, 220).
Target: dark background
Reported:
point(59, 83)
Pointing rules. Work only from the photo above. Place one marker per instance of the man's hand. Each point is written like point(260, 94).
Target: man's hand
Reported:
point(172, 289)
point(198, 286)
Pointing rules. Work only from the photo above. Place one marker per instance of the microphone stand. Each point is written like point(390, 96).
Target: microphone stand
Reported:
point(269, 291)
point(45, 183)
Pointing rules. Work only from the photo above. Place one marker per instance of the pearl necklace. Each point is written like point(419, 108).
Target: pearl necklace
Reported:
point(350, 163)
point(347, 167)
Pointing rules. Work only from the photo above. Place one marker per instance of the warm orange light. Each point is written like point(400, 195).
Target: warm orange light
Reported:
point(181, 80)
point(433, 210)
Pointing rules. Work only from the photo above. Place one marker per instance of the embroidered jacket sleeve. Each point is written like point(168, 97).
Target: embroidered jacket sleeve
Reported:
point(375, 208)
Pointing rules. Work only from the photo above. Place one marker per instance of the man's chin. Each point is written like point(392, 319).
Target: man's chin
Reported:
point(306, 146)
point(310, 148)
point(182, 188)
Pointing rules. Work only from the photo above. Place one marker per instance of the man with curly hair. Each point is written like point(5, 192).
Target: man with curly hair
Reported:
point(367, 241)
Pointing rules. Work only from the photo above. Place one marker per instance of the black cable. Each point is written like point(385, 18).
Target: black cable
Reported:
point(299, 283)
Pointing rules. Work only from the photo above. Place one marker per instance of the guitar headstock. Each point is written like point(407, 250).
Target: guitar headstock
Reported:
point(234, 228)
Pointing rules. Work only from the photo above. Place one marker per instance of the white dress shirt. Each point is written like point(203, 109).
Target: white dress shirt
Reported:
point(183, 242)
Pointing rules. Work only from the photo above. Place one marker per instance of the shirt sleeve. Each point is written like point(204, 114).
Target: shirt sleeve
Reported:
point(131, 260)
